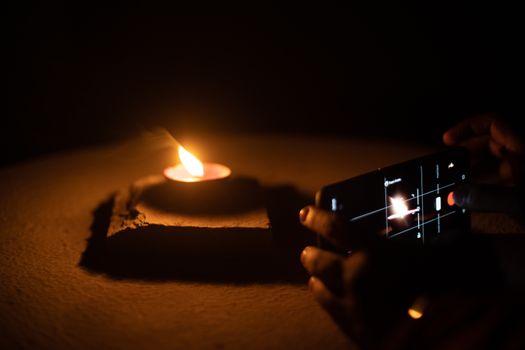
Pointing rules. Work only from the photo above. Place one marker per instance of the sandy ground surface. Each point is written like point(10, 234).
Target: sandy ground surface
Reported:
point(49, 301)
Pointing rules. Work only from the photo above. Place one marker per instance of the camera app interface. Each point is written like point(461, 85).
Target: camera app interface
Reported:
point(411, 201)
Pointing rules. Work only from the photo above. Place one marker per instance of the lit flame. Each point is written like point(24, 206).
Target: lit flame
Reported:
point(415, 314)
point(191, 163)
point(400, 209)
point(398, 206)
point(417, 309)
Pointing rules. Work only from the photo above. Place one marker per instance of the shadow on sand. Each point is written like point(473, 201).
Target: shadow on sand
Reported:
point(139, 257)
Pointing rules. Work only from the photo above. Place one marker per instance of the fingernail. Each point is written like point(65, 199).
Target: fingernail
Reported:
point(448, 138)
point(303, 214)
point(304, 253)
point(311, 282)
point(445, 136)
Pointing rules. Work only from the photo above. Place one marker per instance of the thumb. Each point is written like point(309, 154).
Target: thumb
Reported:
point(502, 134)
point(489, 198)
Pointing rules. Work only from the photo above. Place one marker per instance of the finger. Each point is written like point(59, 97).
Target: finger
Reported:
point(324, 265)
point(343, 310)
point(489, 198)
point(319, 262)
point(468, 128)
point(324, 296)
point(476, 145)
point(502, 134)
point(352, 268)
point(496, 149)
point(327, 224)
point(511, 169)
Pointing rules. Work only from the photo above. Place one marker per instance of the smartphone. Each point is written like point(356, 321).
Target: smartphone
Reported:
point(411, 202)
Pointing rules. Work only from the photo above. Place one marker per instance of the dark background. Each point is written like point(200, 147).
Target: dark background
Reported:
point(80, 75)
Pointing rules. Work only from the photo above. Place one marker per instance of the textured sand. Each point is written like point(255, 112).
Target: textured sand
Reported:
point(48, 301)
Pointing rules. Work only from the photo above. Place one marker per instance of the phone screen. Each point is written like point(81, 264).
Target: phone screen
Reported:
point(410, 201)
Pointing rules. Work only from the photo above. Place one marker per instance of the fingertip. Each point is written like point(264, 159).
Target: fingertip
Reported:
point(314, 284)
point(305, 254)
point(321, 293)
point(303, 214)
point(448, 138)
point(321, 221)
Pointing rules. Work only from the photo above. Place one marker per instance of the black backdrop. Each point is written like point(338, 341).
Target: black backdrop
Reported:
point(81, 75)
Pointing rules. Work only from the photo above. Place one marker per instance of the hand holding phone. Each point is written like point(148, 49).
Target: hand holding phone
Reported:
point(411, 202)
